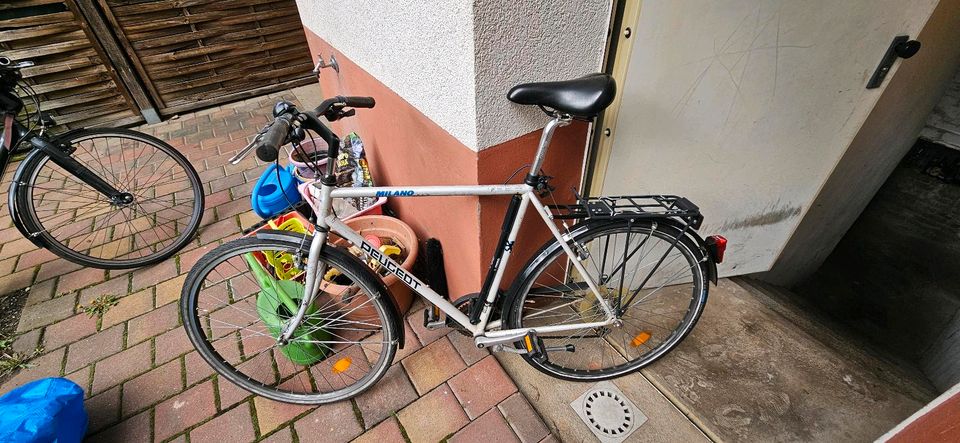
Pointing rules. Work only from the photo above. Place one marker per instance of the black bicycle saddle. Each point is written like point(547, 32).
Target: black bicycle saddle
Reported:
point(583, 97)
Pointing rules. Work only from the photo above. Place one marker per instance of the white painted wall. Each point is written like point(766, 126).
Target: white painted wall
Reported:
point(531, 41)
point(422, 50)
point(746, 106)
point(455, 60)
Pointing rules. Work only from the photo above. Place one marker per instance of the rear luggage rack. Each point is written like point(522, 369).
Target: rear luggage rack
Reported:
point(632, 207)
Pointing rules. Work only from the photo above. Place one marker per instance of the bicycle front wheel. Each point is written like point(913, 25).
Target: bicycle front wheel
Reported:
point(82, 225)
point(239, 298)
point(650, 274)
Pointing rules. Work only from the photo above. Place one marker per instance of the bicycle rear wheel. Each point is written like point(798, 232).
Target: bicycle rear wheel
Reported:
point(651, 275)
point(240, 296)
point(82, 225)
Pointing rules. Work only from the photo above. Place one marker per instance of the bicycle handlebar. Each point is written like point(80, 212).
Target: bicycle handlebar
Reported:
point(271, 141)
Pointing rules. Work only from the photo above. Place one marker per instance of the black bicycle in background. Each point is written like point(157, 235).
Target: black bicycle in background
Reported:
point(103, 198)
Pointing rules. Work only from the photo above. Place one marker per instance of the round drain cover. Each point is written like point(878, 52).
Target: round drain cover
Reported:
point(608, 413)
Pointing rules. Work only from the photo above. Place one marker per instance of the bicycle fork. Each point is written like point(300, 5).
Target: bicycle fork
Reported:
point(314, 271)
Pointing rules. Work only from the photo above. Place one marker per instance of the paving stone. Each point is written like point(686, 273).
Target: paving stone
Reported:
point(272, 414)
point(33, 258)
point(152, 323)
point(47, 365)
point(433, 416)
point(187, 260)
point(216, 231)
point(433, 365)
point(116, 368)
point(466, 347)
point(15, 247)
point(41, 292)
point(216, 199)
point(523, 419)
point(135, 429)
point(482, 386)
point(172, 344)
point(282, 436)
point(387, 431)
point(79, 279)
point(332, 423)
point(27, 342)
point(17, 280)
point(81, 378)
point(230, 393)
point(128, 306)
point(103, 409)
point(116, 286)
point(389, 395)
point(56, 268)
point(169, 291)
point(197, 368)
point(157, 273)
point(7, 265)
point(489, 427)
point(69, 331)
point(94, 347)
point(150, 388)
point(424, 335)
point(234, 426)
point(45, 313)
point(187, 409)
point(232, 208)
point(550, 439)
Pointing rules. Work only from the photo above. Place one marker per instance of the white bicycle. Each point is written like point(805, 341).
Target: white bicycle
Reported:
point(296, 319)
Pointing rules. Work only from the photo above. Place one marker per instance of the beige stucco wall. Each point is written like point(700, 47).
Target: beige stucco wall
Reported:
point(747, 106)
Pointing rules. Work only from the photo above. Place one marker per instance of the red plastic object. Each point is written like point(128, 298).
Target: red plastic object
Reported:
point(717, 246)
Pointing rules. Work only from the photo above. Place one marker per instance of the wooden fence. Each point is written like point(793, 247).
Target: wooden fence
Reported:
point(121, 62)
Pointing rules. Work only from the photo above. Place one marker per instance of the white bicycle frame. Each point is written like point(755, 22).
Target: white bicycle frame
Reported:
point(320, 196)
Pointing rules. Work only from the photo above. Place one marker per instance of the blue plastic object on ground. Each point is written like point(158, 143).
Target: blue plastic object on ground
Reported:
point(45, 410)
point(271, 196)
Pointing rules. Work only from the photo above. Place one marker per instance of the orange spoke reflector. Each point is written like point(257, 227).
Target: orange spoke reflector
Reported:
point(640, 339)
point(342, 365)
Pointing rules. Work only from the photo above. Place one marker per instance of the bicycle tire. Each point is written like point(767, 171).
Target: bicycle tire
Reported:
point(212, 349)
point(585, 233)
point(42, 209)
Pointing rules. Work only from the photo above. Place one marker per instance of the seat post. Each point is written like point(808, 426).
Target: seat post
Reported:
point(557, 122)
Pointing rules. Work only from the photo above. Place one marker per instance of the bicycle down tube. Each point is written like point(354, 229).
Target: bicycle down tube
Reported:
point(528, 196)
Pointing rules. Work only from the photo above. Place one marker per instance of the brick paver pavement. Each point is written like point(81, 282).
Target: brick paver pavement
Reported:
point(145, 383)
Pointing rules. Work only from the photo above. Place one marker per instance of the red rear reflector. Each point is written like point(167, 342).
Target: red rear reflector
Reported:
point(717, 246)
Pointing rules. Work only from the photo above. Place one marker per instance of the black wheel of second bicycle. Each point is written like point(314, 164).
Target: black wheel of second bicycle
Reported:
point(651, 274)
point(158, 217)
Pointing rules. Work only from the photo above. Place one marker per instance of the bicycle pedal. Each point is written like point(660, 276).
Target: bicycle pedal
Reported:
point(432, 319)
point(533, 344)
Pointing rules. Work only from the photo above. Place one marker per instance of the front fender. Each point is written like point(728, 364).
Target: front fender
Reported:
point(15, 183)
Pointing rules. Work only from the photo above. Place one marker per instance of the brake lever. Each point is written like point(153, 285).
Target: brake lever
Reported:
point(246, 150)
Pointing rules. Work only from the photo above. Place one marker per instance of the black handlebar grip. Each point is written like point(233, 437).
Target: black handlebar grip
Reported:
point(360, 102)
point(270, 142)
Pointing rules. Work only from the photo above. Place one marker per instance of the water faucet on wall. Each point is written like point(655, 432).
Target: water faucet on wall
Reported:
point(321, 64)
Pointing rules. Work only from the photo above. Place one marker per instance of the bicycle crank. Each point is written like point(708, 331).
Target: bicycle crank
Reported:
point(522, 343)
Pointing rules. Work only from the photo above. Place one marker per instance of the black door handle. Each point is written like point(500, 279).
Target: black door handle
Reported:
point(901, 47)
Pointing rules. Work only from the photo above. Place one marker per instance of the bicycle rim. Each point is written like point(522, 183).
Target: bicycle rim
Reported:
point(233, 314)
point(78, 223)
point(641, 267)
